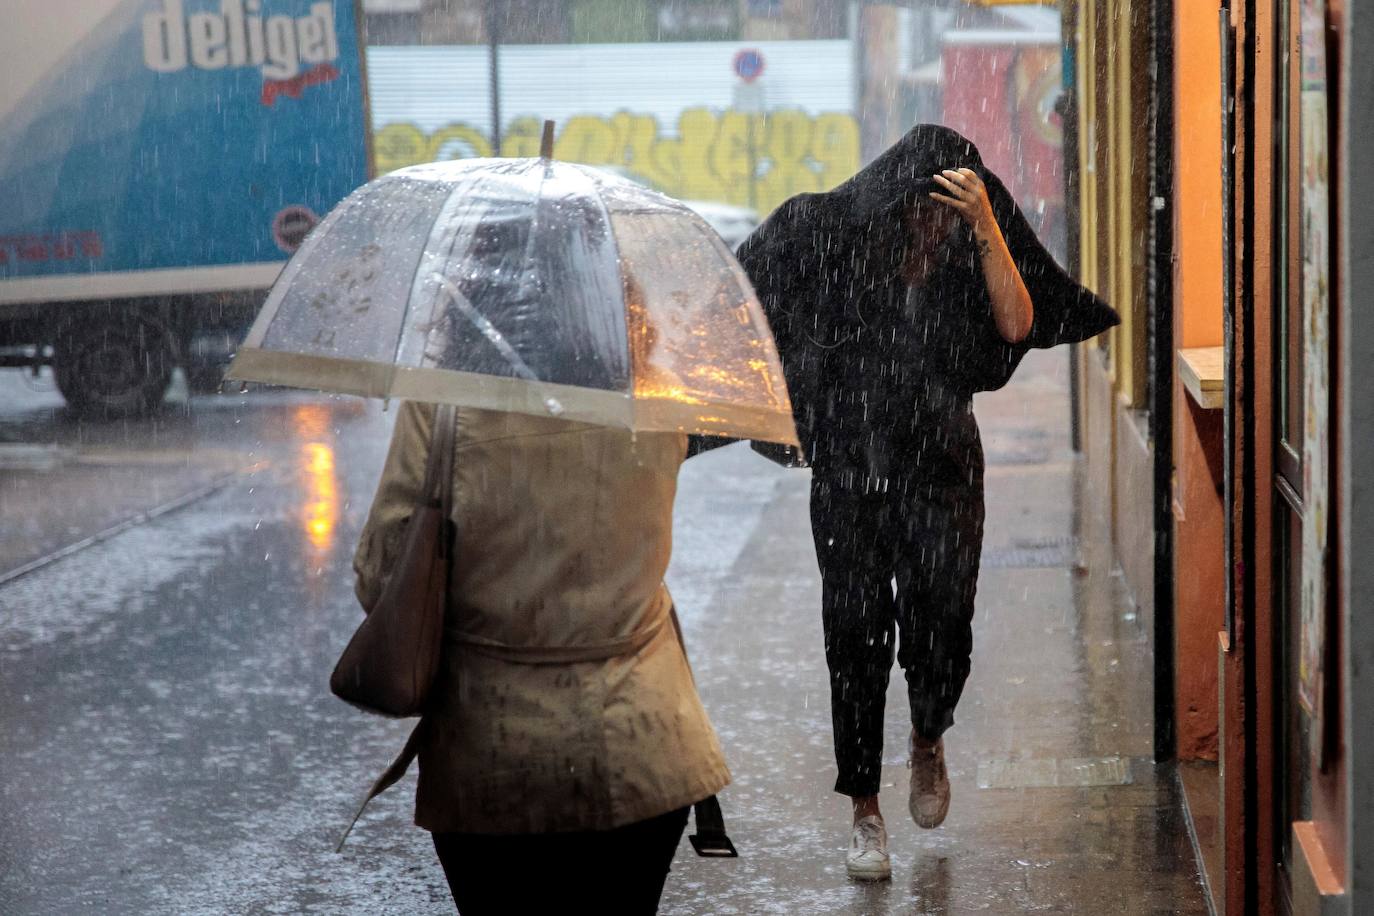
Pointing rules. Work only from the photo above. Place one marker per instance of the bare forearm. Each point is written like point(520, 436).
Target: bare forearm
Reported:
point(1012, 310)
point(966, 194)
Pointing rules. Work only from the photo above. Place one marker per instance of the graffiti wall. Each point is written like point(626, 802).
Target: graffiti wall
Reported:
point(671, 115)
point(753, 160)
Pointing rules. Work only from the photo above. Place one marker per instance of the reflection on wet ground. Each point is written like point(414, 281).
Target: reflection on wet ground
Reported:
point(64, 480)
point(171, 745)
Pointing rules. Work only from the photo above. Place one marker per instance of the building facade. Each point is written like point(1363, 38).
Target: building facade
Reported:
point(1223, 424)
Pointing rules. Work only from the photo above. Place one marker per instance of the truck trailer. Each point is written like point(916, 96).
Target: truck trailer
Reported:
point(159, 161)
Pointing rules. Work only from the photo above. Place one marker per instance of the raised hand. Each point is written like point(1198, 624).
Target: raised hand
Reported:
point(967, 196)
point(1012, 308)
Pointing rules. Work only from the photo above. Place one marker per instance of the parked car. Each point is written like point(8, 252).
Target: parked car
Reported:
point(732, 223)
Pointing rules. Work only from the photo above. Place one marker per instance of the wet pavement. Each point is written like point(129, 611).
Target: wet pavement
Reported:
point(168, 743)
point(64, 482)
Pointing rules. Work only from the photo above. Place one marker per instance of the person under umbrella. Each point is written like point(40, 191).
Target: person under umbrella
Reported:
point(558, 334)
point(565, 734)
point(893, 299)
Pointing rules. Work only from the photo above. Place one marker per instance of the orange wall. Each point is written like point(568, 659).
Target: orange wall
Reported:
point(1199, 574)
point(1197, 175)
point(1199, 559)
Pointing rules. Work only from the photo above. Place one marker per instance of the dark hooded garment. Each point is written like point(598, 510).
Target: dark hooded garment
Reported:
point(882, 377)
point(826, 269)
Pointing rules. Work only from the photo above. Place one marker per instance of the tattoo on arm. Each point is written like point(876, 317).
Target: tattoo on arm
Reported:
point(984, 248)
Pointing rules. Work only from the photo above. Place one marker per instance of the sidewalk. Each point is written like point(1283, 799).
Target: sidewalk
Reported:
point(1057, 806)
point(171, 687)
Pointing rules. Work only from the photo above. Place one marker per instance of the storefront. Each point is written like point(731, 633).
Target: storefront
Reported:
point(1280, 668)
point(1255, 591)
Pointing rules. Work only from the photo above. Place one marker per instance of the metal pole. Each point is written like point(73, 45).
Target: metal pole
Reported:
point(857, 36)
point(1068, 111)
point(493, 17)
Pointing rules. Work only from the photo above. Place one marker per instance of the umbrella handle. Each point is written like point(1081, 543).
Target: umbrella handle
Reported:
point(546, 142)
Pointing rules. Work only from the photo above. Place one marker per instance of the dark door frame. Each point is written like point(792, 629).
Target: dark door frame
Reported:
point(1160, 395)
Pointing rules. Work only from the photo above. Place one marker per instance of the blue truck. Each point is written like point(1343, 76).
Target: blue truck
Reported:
point(159, 161)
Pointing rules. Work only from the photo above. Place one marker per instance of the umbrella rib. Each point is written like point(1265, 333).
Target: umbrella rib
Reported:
point(529, 274)
point(620, 276)
point(428, 253)
point(497, 339)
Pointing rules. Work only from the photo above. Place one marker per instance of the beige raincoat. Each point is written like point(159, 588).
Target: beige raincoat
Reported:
point(564, 701)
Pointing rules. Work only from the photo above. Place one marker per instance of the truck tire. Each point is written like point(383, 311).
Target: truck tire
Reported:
point(205, 359)
point(113, 368)
point(205, 378)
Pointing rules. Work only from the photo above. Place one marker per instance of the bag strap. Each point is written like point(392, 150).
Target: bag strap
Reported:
point(445, 441)
point(390, 776)
point(438, 487)
point(710, 840)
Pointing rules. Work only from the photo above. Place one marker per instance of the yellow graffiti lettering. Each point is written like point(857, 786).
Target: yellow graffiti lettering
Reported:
point(637, 136)
point(522, 138)
point(752, 160)
point(700, 177)
point(835, 148)
point(734, 157)
point(788, 152)
point(399, 145)
point(586, 139)
point(458, 141)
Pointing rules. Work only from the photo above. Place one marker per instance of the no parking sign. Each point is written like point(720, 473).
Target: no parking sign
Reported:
point(748, 64)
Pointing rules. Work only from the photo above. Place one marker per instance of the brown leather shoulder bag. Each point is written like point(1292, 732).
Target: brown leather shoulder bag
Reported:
point(392, 659)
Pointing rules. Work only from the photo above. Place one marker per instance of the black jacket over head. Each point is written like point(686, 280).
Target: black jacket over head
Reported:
point(826, 268)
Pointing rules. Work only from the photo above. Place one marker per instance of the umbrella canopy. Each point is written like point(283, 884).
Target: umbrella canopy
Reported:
point(530, 286)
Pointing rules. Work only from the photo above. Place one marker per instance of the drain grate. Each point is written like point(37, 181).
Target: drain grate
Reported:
point(1052, 772)
point(1017, 446)
point(1017, 453)
point(1043, 554)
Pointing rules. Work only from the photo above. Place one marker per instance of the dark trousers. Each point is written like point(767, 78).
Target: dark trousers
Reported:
point(898, 557)
point(618, 871)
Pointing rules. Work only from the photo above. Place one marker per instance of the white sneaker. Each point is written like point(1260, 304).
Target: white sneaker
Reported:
point(929, 801)
point(868, 859)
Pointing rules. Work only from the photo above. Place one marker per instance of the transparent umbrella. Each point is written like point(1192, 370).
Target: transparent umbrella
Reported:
point(525, 285)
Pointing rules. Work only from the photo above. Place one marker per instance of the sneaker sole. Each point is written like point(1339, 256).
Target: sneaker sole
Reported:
point(865, 874)
point(916, 817)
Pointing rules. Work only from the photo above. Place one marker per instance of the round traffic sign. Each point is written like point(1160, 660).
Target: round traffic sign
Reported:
point(748, 64)
point(291, 225)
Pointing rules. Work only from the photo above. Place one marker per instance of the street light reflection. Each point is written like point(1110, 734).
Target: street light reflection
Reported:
point(322, 497)
point(320, 485)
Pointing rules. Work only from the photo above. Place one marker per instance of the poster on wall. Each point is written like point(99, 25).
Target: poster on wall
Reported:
point(1001, 94)
point(1315, 235)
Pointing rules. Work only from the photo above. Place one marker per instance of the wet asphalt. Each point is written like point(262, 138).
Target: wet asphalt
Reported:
point(168, 743)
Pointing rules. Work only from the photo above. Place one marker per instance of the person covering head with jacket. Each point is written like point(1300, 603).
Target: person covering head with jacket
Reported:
point(893, 299)
point(565, 741)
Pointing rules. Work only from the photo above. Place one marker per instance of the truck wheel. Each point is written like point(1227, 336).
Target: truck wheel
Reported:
point(111, 369)
point(205, 378)
point(205, 359)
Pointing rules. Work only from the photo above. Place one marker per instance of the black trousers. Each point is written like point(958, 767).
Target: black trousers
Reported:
point(899, 566)
point(620, 871)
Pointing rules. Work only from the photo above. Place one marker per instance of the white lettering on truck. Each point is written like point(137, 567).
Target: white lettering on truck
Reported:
point(239, 35)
